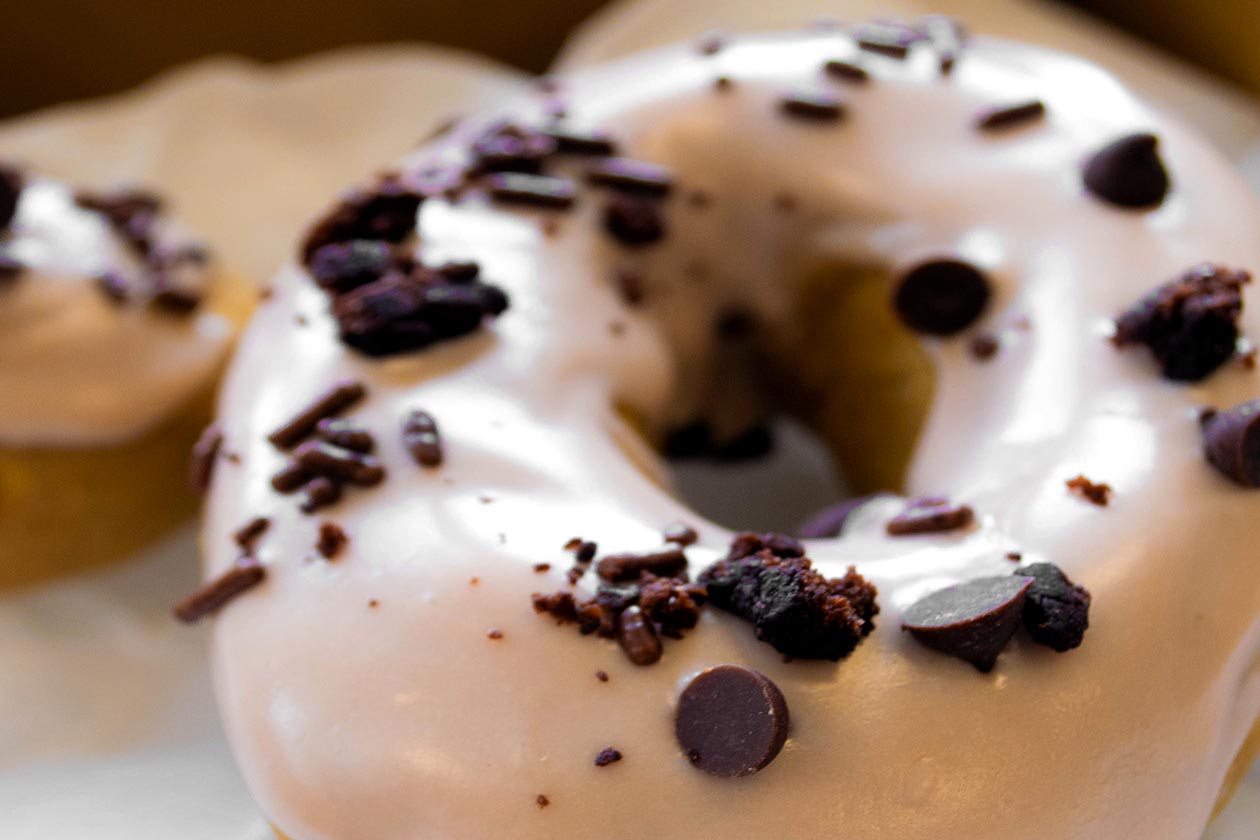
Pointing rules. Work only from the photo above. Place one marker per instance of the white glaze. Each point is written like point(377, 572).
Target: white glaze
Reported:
point(405, 721)
point(76, 369)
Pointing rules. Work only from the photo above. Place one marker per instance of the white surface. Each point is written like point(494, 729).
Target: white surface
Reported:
point(107, 729)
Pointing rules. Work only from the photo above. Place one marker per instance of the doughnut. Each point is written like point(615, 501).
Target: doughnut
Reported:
point(114, 324)
point(1007, 296)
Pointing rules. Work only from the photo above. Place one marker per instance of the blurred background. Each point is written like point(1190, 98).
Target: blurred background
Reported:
point(57, 50)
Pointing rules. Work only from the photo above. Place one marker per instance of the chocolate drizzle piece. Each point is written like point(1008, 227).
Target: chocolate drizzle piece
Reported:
point(973, 621)
point(1129, 173)
point(385, 211)
point(1092, 492)
point(205, 452)
point(1056, 613)
point(244, 575)
point(625, 568)
point(633, 220)
point(420, 436)
point(731, 721)
point(544, 191)
point(332, 402)
point(818, 105)
point(1190, 324)
point(1231, 442)
point(930, 515)
point(631, 176)
point(11, 182)
point(767, 580)
point(941, 297)
point(846, 70)
point(997, 119)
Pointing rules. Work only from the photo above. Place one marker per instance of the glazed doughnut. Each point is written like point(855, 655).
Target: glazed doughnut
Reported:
point(113, 327)
point(991, 280)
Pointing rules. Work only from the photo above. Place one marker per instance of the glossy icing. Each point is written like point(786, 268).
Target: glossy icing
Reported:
point(405, 720)
point(77, 369)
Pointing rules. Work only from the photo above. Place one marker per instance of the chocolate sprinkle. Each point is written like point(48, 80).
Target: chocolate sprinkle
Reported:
point(244, 575)
point(205, 453)
point(1095, 493)
point(892, 40)
point(420, 436)
point(290, 478)
point(626, 568)
point(1057, 611)
point(972, 621)
point(11, 183)
point(633, 221)
point(607, 756)
point(631, 176)
point(345, 434)
point(1129, 173)
point(847, 70)
point(594, 144)
point(996, 119)
point(544, 191)
point(341, 465)
point(680, 534)
point(731, 721)
point(247, 535)
point(1231, 442)
point(332, 539)
point(932, 515)
point(1190, 323)
point(766, 580)
point(321, 492)
point(512, 148)
point(332, 402)
point(819, 105)
point(637, 637)
point(941, 297)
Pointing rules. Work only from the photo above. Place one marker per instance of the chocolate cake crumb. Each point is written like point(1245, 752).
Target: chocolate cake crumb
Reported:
point(731, 721)
point(385, 211)
point(345, 434)
point(321, 492)
point(931, 515)
point(1014, 556)
point(542, 800)
point(247, 535)
point(583, 550)
point(244, 575)
point(818, 105)
point(633, 221)
point(1190, 323)
point(1231, 442)
point(1057, 611)
point(542, 191)
point(625, 568)
point(1095, 493)
point(681, 534)
point(332, 539)
point(11, 183)
point(1129, 173)
point(941, 297)
point(846, 70)
point(332, 402)
point(973, 621)
point(794, 608)
point(420, 436)
point(602, 676)
point(1008, 116)
point(204, 454)
point(575, 574)
point(607, 756)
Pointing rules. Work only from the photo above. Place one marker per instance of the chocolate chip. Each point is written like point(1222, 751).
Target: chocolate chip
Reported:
point(321, 492)
point(930, 515)
point(819, 105)
point(1129, 173)
point(346, 434)
point(332, 539)
point(420, 436)
point(680, 534)
point(607, 756)
point(633, 221)
point(1231, 441)
point(544, 191)
point(625, 568)
point(1190, 324)
point(792, 606)
point(830, 522)
point(342, 465)
point(631, 176)
point(247, 535)
point(638, 638)
point(889, 39)
point(244, 575)
point(1095, 493)
point(1057, 611)
point(731, 721)
point(972, 621)
point(204, 454)
point(594, 144)
point(512, 148)
point(847, 70)
point(941, 296)
point(332, 402)
point(11, 182)
point(1006, 116)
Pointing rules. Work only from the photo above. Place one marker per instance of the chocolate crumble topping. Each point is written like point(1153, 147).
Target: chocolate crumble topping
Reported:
point(847, 70)
point(631, 176)
point(1190, 323)
point(819, 105)
point(542, 801)
point(512, 148)
point(1056, 613)
point(1095, 493)
point(321, 492)
point(680, 534)
point(544, 191)
point(345, 434)
point(887, 38)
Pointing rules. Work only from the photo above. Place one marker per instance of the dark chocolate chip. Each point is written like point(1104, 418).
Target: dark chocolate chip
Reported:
point(633, 220)
point(846, 70)
point(1006, 116)
point(680, 534)
point(244, 575)
point(544, 191)
point(819, 105)
point(247, 535)
point(332, 539)
point(637, 637)
point(1057, 611)
point(332, 402)
point(731, 721)
point(626, 568)
point(930, 516)
point(830, 522)
point(972, 621)
point(941, 296)
point(1231, 441)
point(1129, 173)
point(421, 437)
point(11, 182)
